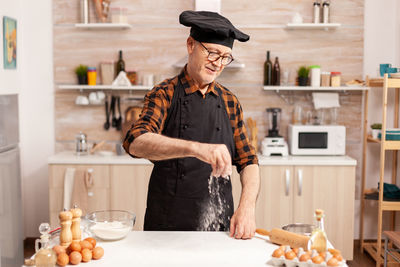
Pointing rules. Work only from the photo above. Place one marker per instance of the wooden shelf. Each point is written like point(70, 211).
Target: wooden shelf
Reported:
point(311, 88)
point(103, 87)
point(370, 248)
point(312, 26)
point(103, 26)
point(389, 144)
point(370, 139)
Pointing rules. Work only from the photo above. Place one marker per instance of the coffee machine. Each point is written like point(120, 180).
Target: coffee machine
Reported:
point(274, 144)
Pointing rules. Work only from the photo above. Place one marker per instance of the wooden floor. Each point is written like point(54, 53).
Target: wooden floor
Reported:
point(359, 259)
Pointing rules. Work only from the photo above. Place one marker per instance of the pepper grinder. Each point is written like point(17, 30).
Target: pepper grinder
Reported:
point(65, 222)
point(76, 223)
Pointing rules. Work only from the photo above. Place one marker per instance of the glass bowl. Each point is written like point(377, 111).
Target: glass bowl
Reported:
point(299, 228)
point(110, 224)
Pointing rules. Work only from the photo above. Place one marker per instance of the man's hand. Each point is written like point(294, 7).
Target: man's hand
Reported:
point(243, 223)
point(218, 156)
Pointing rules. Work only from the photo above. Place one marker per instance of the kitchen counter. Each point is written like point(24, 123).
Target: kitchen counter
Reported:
point(69, 157)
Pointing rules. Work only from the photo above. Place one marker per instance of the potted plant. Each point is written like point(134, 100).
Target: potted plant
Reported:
point(376, 129)
point(81, 73)
point(302, 75)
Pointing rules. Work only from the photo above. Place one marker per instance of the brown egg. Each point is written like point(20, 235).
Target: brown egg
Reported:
point(322, 254)
point(278, 253)
point(338, 257)
point(317, 259)
point(290, 255)
point(282, 248)
point(59, 249)
point(86, 244)
point(333, 262)
point(86, 254)
point(75, 257)
point(62, 259)
point(305, 257)
point(75, 246)
point(295, 250)
point(334, 251)
point(98, 252)
point(92, 241)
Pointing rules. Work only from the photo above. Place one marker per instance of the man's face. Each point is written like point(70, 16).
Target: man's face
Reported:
point(203, 70)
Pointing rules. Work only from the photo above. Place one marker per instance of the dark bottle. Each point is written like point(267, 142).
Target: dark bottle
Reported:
point(120, 63)
point(267, 71)
point(276, 73)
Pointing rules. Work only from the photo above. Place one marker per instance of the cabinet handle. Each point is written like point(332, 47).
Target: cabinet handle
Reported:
point(287, 182)
point(300, 182)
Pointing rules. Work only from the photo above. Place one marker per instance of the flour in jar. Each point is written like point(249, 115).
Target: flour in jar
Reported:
point(110, 230)
point(213, 214)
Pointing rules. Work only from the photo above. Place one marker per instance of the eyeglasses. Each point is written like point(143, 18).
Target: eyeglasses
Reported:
point(214, 56)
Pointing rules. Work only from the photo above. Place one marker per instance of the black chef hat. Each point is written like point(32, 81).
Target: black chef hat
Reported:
point(211, 27)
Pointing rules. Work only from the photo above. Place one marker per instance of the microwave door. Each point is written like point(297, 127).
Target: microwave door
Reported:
point(313, 140)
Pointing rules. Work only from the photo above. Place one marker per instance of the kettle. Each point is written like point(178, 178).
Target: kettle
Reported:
point(81, 144)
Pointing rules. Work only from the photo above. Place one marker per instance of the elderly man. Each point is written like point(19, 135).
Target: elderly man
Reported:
point(192, 128)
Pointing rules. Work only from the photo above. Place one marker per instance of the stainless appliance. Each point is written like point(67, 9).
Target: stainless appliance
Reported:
point(274, 144)
point(11, 231)
point(317, 139)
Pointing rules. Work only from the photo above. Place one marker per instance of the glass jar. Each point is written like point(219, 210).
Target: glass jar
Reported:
point(335, 78)
point(118, 15)
point(92, 76)
point(132, 76)
point(325, 78)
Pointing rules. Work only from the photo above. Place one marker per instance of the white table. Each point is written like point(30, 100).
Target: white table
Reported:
point(184, 249)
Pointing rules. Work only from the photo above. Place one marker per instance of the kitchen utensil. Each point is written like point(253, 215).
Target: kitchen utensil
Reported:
point(110, 224)
point(119, 120)
point(97, 146)
point(107, 123)
point(114, 119)
point(81, 144)
point(299, 228)
point(282, 237)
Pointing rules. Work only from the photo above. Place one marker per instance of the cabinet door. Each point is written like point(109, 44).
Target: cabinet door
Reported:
point(100, 190)
point(274, 209)
point(330, 188)
point(129, 185)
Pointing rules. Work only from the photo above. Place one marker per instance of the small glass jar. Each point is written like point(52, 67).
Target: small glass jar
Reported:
point(325, 78)
point(107, 72)
point(335, 78)
point(118, 15)
point(92, 76)
point(132, 76)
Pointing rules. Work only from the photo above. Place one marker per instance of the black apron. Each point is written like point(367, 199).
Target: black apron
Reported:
point(179, 198)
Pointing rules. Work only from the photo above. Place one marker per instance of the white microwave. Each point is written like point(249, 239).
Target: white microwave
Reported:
point(317, 139)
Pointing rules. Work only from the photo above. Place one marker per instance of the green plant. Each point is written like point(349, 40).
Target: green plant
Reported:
point(81, 70)
point(303, 71)
point(376, 126)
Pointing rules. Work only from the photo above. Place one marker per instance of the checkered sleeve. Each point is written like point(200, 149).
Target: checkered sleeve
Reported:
point(244, 152)
point(152, 118)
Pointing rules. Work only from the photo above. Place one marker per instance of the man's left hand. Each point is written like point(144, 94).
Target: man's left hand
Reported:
point(243, 222)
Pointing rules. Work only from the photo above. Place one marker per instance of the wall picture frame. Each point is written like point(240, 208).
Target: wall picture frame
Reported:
point(9, 43)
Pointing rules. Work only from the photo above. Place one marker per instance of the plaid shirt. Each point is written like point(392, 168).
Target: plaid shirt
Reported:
point(159, 99)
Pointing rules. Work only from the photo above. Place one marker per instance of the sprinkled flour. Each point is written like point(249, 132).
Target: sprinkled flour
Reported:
point(213, 215)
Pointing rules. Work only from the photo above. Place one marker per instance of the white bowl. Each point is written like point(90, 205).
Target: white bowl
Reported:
point(110, 224)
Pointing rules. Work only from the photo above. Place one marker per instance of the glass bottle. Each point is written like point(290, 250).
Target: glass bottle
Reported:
point(276, 73)
point(267, 71)
point(120, 63)
point(45, 255)
point(319, 240)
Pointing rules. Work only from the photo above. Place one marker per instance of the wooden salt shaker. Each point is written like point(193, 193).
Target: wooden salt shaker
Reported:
point(65, 222)
point(76, 223)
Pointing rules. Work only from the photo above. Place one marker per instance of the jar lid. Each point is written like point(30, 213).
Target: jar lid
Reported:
point(107, 62)
point(325, 73)
point(315, 67)
point(91, 68)
point(336, 73)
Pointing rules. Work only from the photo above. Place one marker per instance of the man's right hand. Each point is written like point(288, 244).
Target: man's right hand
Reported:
point(218, 156)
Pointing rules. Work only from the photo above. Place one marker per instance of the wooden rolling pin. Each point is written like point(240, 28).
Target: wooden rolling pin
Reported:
point(282, 237)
